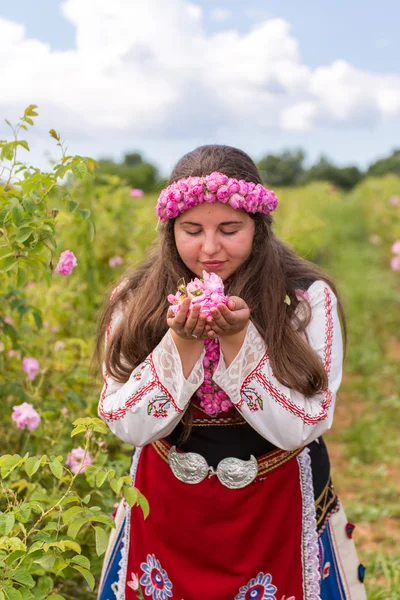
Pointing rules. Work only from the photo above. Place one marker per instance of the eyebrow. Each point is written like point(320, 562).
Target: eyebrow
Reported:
point(223, 223)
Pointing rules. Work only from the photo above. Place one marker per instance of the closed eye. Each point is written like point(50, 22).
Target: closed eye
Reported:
point(223, 232)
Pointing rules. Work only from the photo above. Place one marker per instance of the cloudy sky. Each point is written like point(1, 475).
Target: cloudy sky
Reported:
point(163, 77)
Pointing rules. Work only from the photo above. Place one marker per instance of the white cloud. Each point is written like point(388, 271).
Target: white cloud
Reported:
point(298, 117)
point(220, 14)
point(150, 70)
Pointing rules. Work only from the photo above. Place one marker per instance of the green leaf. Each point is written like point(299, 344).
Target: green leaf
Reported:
point(7, 152)
point(56, 468)
point(10, 464)
point(23, 513)
point(37, 316)
point(14, 556)
point(55, 597)
point(72, 205)
point(7, 263)
point(76, 526)
point(101, 540)
point(131, 495)
point(23, 577)
point(71, 514)
point(32, 465)
point(46, 562)
point(45, 584)
point(101, 477)
point(2, 596)
point(87, 575)
point(12, 593)
point(144, 505)
point(86, 499)
point(82, 561)
point(24, 144)
point(29, 205)
point(17, 215)
point(69, 499)
point(78, 430)
point(22, 277)
point(114, 485)
point(287, 300)
point(7, 522)
point(79, 170)
point(30, 111)
point(23, 234)
point(85, 213)
point(54, 134)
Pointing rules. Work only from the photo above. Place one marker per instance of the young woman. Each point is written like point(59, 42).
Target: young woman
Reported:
point(226, 412)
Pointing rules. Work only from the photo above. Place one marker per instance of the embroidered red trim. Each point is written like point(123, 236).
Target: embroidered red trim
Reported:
point(278, 396)
point(131, 401)
point(161, 386)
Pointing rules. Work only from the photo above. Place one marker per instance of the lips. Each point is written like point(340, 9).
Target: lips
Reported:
point(215, 263)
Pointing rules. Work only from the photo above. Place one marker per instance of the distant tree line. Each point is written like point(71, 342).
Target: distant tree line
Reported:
point(284, 169)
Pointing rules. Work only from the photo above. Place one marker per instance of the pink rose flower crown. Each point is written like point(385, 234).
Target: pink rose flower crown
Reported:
point(208, 292)
point(216, 187)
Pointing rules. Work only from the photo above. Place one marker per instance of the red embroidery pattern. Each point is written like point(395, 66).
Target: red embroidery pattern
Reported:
point(277, 395)
point(157, 406)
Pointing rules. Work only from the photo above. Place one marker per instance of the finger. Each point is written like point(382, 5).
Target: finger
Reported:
point(217, 318)
point(239, 302)
point(226, 314)
point(199, 329)
point(181, 315)
point(192, 320)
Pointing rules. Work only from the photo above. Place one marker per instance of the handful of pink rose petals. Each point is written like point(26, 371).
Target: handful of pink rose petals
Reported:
point(208, 292)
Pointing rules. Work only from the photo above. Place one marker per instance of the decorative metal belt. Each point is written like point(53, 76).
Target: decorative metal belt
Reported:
point(233, 473)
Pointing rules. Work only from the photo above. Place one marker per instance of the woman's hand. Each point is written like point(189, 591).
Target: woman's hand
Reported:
point(190, 327)
point(228, 319)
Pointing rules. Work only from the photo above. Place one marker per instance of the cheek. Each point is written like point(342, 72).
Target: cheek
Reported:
point(241, 246)
point(186, 246)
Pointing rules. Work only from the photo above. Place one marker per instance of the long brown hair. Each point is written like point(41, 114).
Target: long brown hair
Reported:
point(271, 272)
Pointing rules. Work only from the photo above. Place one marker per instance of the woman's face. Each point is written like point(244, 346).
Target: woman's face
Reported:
point(214, 237)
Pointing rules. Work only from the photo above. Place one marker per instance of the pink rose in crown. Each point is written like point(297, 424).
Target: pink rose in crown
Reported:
point(25, 416)
point(66, 263)
point(30, 367)
point(75, 457)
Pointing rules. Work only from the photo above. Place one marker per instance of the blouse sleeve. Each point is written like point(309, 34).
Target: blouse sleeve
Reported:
point(149, 405)
point(283, 416)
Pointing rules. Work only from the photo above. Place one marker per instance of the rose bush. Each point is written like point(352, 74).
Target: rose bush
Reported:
point(55, 499)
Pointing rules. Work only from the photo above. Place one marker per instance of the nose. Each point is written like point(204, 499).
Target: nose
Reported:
point(211, 245)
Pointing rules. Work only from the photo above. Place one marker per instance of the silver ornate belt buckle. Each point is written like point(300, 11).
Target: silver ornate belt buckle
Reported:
point(233, 473)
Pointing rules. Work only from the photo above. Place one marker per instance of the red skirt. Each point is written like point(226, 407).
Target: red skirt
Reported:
point(209, 542)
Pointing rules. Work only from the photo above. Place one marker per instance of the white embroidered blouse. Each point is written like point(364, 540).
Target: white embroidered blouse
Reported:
point(151, 403)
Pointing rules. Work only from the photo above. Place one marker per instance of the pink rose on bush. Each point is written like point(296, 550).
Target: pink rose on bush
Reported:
point(394, 200)
point(396, 247)
point(395, 263)
point(74, 459)
point(136, 193)
point(9, 320)
point(25, 416)
point(31, 367)
point(115, 261)
point(66, 263)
